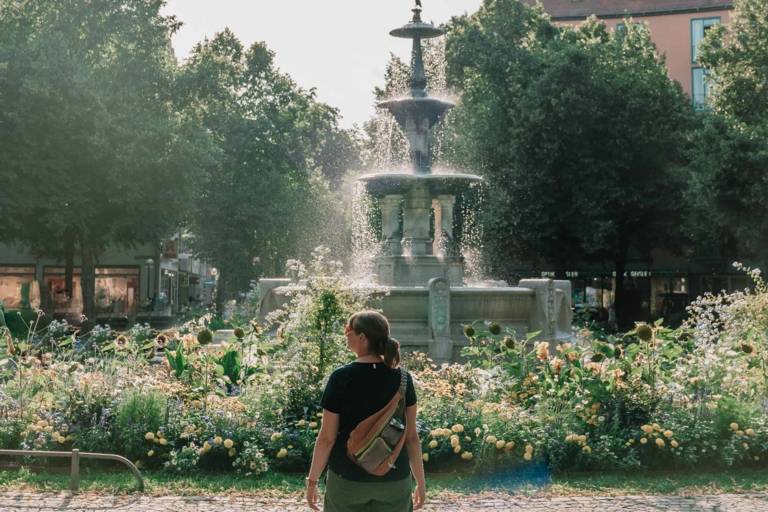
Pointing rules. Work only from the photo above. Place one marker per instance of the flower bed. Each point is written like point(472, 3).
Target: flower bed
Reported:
point(654, 398)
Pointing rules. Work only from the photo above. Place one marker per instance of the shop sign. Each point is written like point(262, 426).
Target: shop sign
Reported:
point(170, 249)
point(634, 273)
point(568, 273)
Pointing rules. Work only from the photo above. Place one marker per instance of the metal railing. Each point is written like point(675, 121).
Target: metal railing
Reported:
point(75, 456)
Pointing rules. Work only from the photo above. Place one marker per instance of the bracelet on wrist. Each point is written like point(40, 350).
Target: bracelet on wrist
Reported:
point(310, 481)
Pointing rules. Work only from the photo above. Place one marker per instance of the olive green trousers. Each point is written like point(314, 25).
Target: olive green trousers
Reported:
point(349, 496)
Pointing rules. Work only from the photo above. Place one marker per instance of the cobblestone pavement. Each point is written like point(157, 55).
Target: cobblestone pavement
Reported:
point(49, 502)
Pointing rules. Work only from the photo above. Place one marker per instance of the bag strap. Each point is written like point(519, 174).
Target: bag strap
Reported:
point(402, 390)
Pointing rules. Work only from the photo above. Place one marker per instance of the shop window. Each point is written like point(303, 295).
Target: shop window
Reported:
point(18, 289)
point(699, 28)
point(116, 291)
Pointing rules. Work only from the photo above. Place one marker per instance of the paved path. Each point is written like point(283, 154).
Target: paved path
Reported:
point(49, 502)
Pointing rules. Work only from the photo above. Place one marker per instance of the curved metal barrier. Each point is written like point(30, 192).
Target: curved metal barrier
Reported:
point(75, 456)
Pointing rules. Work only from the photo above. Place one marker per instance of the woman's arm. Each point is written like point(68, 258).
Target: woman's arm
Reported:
point(413, 445)
point(325, 440)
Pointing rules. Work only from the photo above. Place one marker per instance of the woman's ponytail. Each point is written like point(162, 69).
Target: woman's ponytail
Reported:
point(391, 352)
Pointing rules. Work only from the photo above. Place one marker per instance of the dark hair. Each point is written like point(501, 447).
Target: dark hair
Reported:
point(376, 328)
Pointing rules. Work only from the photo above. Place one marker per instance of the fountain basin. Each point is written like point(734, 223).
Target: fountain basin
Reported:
point(436, 183)
point(416, 108)
point(431, 318)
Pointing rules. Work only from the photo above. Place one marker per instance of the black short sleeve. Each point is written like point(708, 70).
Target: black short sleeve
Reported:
point(410, 392)
point(333, 394)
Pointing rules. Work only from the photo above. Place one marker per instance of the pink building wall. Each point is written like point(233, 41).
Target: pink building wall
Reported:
point(672, 35)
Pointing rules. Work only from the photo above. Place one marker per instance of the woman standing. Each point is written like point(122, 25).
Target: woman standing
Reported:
point(353, 393)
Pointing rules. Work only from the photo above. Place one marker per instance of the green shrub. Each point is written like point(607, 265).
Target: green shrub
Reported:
point(139, 413)
point(10, 433)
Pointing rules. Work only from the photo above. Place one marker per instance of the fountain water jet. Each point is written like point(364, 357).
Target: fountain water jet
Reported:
point(419, 259)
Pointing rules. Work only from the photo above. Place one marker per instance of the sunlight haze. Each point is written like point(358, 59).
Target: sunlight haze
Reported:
point(339, 47)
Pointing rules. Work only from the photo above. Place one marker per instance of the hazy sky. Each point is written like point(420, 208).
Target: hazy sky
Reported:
point(340, 47)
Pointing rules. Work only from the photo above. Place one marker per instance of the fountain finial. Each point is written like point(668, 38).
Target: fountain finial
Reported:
point(416, 12)
point(419, 113)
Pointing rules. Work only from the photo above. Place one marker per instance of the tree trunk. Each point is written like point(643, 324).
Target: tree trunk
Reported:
point(69, 262)
point(220, 296)
point(619, 306)
point(88, 280)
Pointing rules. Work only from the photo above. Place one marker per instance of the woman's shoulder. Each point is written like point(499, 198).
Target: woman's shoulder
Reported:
point(343, 371)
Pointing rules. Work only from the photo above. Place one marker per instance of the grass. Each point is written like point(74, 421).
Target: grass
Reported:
point(273, 484)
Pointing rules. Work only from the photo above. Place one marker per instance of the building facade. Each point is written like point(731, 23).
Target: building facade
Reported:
point(142, 284)
point(676, 26)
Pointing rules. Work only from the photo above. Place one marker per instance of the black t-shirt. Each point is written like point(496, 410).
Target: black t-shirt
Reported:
point(354, 392)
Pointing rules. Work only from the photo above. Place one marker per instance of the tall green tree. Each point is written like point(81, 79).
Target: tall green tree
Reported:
point(269, 197)
point(94, 151)
point(729, 157)
point(577, 131)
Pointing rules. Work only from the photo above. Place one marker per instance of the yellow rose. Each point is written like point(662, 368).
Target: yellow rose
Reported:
point(433, 444)
point(745, 445)
point(668, 434)
point(674, 443)
point(750, 432)
point(217, 440)
point(643, 440)
point(510, 445)
point(528, 448)
point(150, 453)
point(163, 441)
point(454, 441)
point(149, 436)
point(228, 443)
point(467, 455)
point(586, 449)
point(656, 426)
point(457, 448)
point(660, 443)
point(252, 465)
point(490, 439)
point(275, 436)
point(301, 423)
point(425, 457)
point(734, 426)
point(582, 439)
point(313, 424)
point(500, 444)
point(527, 455)
point(457, 428)
point(647, 429)
point(282, 453)
point(231, 452)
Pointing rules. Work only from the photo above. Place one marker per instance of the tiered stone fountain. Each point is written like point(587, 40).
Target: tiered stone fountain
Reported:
point(420, 262)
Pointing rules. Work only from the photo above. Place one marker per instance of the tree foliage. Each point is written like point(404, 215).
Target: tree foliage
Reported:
point(269, 196)
point(577, 131)
point(94, 150)
point(729, 157)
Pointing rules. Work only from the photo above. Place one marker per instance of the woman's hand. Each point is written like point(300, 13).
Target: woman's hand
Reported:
point(312, 494)
point(419, 497)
